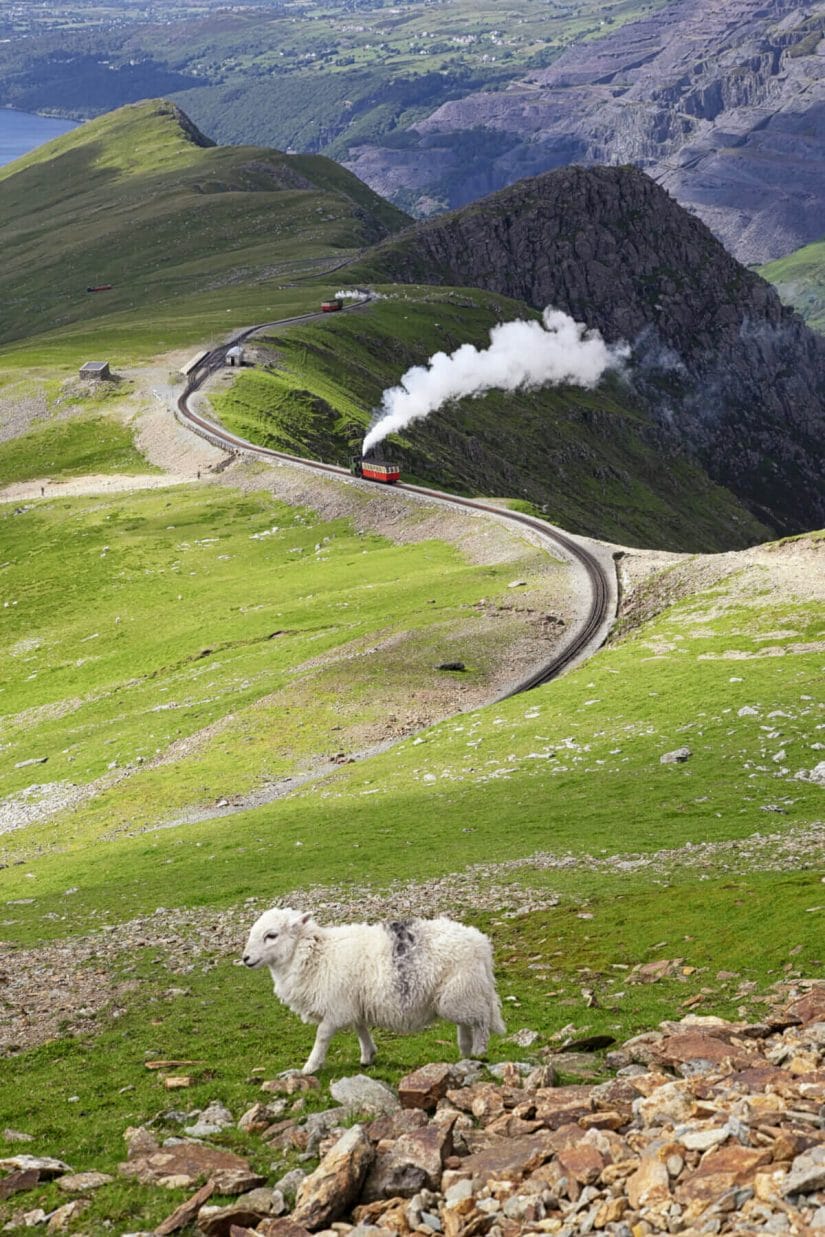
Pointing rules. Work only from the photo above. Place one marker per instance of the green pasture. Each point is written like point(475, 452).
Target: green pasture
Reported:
point(800, 281)
point(136, 623)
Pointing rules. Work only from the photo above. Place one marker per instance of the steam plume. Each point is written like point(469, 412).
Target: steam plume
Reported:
point(521, 356)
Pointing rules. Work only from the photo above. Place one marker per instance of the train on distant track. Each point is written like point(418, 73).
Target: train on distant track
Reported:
point(374, 470)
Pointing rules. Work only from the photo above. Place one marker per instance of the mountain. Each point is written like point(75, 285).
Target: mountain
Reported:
point(725, 371)
point(140, 200)
point(721, 101)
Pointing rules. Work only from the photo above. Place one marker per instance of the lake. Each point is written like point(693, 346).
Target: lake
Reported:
point(20, 132)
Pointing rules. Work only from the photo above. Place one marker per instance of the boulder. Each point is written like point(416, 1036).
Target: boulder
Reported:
point(362, 1094)
point(677, 757)
point(327, 1193)
point(425, 1087)
point(77, 1183)
point(409, 1164)
point(185, 1164)
point(186, 1212)
point(45, 1165)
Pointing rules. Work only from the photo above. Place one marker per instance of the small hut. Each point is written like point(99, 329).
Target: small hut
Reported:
point(235, 355)
point(95, 369)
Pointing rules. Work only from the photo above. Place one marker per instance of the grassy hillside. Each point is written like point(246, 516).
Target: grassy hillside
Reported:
point(559, 798)
point(588, 459)
point(799, 279)
point(140, 200)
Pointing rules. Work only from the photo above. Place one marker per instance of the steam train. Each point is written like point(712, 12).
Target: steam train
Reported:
point(373, 470)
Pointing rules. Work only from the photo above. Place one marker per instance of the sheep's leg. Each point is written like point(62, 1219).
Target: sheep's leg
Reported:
point(465, 1041)
point(480, 1037)
point(316, 1058)
point(366, 1042)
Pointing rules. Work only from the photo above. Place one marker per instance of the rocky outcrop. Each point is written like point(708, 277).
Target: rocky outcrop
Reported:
point(720, 100)
point(726, 371)
point(704, 1126)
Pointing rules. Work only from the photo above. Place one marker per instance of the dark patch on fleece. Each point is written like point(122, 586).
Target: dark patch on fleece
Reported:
point(404, 943)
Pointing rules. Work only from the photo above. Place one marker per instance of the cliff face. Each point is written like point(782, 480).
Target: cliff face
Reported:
point(726, 372)
point(721, 101)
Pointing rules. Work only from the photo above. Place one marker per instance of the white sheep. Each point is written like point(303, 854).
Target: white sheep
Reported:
point(400, 975)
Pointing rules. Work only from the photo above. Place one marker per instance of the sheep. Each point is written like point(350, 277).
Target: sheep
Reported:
point(401, 976)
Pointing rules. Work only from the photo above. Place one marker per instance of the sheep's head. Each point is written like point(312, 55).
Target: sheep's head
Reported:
point(273, 938)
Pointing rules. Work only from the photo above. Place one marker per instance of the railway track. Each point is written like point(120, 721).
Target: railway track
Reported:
point(592, 627)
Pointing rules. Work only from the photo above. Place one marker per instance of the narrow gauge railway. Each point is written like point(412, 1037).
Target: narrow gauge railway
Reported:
point(600, 608)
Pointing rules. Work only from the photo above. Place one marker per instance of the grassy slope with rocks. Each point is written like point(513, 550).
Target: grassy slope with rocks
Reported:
point(799, 279)
point(586, 458)
point(619, 860)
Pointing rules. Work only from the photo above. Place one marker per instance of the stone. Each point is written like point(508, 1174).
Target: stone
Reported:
point(425, 1087)
point(139, 1142)
point(217, 1221)
point(60, 1219)
point(235, 1180)
point(719, 1171)
point(186, 1212)
point(46, 1165)
point(650, 1183)
point(583, 1162)
point(807, 1172)
point(524, 1038)
point(293, 1084)
point(77, 1183)
point(409, 1164)
point(281, 1227)
point(18, 1182)
point(509, 1158)
point(184, 1165)
point(289, 1184)
point(562, 1105)
point(393, 1125)
point(541, 1076)
point(327, 1193)
point(809, 1008)
point(363, 1094)
point(694, 1052)
point(16, 1136)
point(677, 757)
point(214, 1118)
point(260, 1116)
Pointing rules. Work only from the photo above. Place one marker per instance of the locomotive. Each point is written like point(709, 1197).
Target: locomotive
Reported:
point(375, 470)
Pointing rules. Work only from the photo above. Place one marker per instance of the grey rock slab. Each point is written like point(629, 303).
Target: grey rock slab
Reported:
point(677, 757)
point(807, 1172)
point(46, 1165)
point(364, 1094)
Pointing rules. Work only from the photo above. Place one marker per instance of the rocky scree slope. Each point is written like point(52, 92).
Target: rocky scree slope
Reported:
point(727, 372)
point(720, 100)
point(708, 1126)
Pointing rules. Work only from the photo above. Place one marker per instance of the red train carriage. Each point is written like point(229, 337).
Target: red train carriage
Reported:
point(331, 307)
point(387, 474)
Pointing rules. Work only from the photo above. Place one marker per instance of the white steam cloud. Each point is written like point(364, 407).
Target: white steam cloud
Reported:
point(521, 356)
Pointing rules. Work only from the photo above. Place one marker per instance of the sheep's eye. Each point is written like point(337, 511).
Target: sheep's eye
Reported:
point(271, 936)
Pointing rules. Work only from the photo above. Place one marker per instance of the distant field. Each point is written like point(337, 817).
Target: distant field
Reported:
point(800, 281)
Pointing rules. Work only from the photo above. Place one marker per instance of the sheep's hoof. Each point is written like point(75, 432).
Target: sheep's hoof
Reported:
point(290, 1073)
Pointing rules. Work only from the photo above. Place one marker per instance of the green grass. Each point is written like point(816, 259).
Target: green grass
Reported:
point(252, 595)
point(85, 444)
point(800, 280)
point(584, 458)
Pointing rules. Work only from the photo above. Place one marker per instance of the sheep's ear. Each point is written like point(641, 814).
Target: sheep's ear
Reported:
point(305, 918)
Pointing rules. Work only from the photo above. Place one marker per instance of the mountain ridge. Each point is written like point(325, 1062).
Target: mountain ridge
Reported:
point(725, 369)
